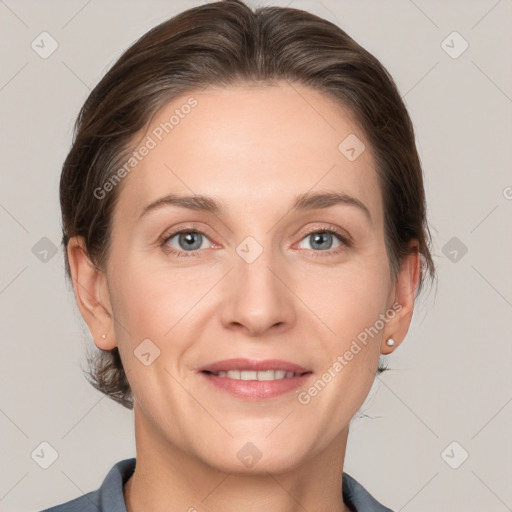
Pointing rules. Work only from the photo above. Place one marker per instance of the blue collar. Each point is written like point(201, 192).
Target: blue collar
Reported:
point(109, 497)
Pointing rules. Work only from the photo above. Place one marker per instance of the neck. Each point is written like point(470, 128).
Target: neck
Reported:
point(169, 479)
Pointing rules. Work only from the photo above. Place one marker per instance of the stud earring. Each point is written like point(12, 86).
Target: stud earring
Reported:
point(390, 342)
point(103, 336)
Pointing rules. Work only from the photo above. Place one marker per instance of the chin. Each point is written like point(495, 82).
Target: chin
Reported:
point(255, 456)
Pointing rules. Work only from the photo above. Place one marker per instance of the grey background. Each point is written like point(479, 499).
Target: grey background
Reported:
point(451, 379)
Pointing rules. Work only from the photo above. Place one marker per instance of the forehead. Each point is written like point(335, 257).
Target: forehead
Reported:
point(251, 146)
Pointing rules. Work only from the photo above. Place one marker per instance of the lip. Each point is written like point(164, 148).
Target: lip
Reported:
point(255, 389)
point(252, 364)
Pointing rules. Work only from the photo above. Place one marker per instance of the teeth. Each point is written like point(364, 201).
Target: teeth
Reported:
point(248, 375)
point(256, 375)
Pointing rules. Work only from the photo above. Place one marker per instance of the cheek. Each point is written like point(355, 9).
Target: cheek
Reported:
point(350, 303)
point(151, 301)
point(148, 310)
point(349, 299)
point(160, 304)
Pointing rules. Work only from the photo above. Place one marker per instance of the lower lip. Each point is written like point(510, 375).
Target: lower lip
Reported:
point(256, 389)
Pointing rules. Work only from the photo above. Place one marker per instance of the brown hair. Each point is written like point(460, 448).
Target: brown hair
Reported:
point(227, 43)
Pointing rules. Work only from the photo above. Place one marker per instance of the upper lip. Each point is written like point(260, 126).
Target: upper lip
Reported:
point(253, 364)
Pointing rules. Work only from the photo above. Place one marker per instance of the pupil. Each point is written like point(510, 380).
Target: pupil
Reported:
point(190, 243)
point(318, 237)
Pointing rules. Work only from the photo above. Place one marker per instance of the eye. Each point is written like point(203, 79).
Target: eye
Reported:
point(185, 241)
point(189, 242)
point(322, 241)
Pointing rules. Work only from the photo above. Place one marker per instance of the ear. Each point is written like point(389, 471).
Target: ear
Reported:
point(92, 295)
point(404, 295)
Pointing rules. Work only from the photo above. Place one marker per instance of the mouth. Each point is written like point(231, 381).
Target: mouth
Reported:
point(256, 380)
point(264, 375)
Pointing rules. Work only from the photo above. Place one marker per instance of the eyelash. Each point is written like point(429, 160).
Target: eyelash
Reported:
point(342, 238)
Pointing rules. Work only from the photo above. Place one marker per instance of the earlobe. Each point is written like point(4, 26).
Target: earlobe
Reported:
point(405, 293)
point(90, 286)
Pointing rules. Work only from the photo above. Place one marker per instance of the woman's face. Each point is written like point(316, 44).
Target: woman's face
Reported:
point(254, 280)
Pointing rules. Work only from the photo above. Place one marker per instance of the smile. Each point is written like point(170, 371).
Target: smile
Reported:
point(255, 380)
point(256, 375)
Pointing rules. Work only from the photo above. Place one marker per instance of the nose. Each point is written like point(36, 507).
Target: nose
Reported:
point(258, 295)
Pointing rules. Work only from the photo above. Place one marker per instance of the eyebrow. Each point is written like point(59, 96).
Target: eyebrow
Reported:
point(307, 201)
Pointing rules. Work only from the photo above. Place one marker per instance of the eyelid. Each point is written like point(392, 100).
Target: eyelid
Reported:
point(190, 227)
point(175, 231)
point(328, 227)
point(344, 237)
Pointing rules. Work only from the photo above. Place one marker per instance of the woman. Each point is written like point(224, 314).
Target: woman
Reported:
point(209, 167)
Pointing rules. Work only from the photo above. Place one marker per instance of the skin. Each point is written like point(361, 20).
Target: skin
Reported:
point(254, 149)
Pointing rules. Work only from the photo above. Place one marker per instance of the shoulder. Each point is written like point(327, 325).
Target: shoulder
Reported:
point(87, 503)
point(109, 497)
point(358, 498)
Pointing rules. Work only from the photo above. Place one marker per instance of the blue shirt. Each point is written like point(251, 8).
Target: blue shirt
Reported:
point(109, 497)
